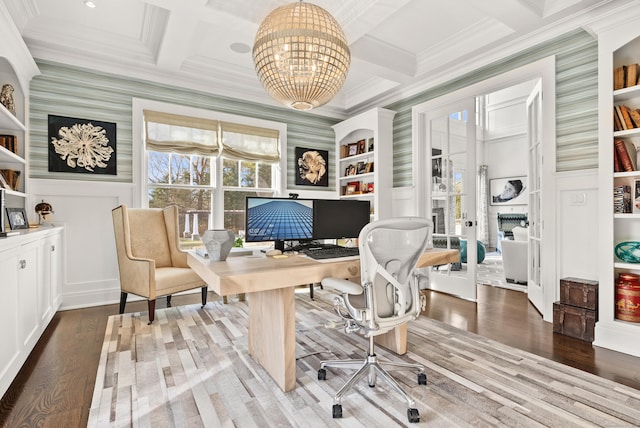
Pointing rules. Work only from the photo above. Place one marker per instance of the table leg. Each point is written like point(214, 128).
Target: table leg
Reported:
point(272, 334)
point(394, 340)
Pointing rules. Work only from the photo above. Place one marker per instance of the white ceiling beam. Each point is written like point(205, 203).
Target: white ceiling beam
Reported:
point(516, 14)
point(384, 60)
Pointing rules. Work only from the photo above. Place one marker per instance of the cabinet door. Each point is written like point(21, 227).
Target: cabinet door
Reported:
point(28, 293)
point(9, 350)
point(55, 254)
point(45, 281)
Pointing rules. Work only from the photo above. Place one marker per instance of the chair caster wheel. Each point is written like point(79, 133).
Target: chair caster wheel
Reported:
point(413, 415)
point(322, 374)
point(422, 379)
point(337, 411)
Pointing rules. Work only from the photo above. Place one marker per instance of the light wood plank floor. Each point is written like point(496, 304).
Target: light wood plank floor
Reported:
point(55, 386)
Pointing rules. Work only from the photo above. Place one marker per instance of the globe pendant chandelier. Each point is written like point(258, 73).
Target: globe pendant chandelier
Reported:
point(301, 55)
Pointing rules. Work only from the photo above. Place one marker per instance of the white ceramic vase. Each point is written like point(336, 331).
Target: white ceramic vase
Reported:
point(218, 243)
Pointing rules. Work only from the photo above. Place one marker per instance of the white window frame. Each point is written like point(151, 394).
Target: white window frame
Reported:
point(140, 159)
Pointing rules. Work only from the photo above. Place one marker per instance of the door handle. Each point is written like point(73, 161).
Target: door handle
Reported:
point(469, 223)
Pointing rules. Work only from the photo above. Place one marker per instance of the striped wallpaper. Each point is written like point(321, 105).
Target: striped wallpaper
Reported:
point(71, 91)
point(576, 102)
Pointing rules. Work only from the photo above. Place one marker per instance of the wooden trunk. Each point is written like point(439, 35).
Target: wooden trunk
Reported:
point(582, 293)
point(573, 321)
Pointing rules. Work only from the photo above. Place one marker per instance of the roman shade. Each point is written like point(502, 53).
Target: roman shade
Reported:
point(250, 143)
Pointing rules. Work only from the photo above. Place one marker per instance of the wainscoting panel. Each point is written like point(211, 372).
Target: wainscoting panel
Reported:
point(577, 226)
point(90, 274)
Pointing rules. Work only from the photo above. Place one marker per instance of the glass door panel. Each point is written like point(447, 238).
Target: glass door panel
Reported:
point(451, 144)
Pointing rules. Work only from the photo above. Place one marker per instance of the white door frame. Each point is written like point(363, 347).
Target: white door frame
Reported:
point(545, 69)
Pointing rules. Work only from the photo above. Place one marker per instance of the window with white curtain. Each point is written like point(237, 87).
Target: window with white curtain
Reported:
point(207, 167)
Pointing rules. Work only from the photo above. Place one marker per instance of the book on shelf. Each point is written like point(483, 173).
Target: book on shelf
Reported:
point(616, 161)
point(631, 75)
point(619, 79)
point(623, 124)
point(627, 156)
point(627, 117)
point(636, 198)
point(626, 76)
point(617, 126)
point(635, 117)
point(622, 199)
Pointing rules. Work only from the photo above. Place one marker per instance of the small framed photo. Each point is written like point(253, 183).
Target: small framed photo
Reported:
point(17, 218)
point(353, 149)
point(371, 145)
point(368, 167)
point(350, 189)
point(636, 198)
point(361, 168)
point(362, 146)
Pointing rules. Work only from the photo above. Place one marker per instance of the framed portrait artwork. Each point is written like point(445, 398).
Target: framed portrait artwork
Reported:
point(508, 191)
point(313, 167)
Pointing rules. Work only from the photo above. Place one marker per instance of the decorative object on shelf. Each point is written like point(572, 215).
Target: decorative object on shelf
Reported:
point(508, 191)
point(628, 251)
point(17, 218)
point(82, 146)
point(301, 55)
point(43, 209)
point(628, 297)
point(6, 98)
point(218, 243)
point(10, 179)
point(313, 168)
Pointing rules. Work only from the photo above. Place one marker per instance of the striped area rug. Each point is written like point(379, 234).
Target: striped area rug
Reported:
point(191, 368)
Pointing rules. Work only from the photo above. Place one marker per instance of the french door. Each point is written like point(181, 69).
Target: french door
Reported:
point(535, 291)
point(450, 137)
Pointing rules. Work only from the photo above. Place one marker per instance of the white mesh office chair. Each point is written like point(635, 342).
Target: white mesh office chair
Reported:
point(387, 297)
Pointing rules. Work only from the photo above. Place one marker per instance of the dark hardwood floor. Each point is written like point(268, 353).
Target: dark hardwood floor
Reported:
point(55, 386)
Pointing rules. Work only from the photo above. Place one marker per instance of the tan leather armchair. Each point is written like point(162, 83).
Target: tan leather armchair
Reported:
point(150, 261)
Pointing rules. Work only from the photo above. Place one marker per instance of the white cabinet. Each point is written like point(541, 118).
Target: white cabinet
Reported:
point(31, 268)
point(364, 159)
point(618, 45)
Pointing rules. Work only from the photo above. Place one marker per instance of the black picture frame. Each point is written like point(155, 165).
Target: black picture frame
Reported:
point(17, 218)
point(65, 157)
point(312, 167)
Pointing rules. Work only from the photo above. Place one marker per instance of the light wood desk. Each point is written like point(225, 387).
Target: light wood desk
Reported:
point(271, 283)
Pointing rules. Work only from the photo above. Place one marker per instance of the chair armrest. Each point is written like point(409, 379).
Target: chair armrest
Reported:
point(137, 276)
point(343, 285)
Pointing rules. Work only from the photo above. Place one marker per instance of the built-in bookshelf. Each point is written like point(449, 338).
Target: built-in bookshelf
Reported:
point(364, 159)
point(619, 133)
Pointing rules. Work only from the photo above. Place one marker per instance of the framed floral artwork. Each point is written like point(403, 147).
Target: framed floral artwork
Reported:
point(82, 145)
point(313, 167)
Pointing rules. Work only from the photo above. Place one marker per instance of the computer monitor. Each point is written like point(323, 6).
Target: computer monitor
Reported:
point(339, 218)
point(278, 219)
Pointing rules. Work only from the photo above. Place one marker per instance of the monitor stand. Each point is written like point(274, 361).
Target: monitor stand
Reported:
point(278, 245)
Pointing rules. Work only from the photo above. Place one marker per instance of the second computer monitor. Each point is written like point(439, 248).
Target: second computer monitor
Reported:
point(339, 218)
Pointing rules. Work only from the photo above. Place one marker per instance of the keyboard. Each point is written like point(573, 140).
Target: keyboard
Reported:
point(331, 252)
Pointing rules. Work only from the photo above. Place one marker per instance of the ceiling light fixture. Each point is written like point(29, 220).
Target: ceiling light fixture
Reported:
point(301, 55)
point(90, 4)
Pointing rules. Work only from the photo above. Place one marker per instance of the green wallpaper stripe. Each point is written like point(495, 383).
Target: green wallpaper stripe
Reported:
point(576, 102)
point(71, 91)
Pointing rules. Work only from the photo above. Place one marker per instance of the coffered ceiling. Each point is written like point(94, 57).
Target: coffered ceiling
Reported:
point(398, 47)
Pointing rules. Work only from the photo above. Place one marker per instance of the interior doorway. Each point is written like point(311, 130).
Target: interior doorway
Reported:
point(503, 167)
